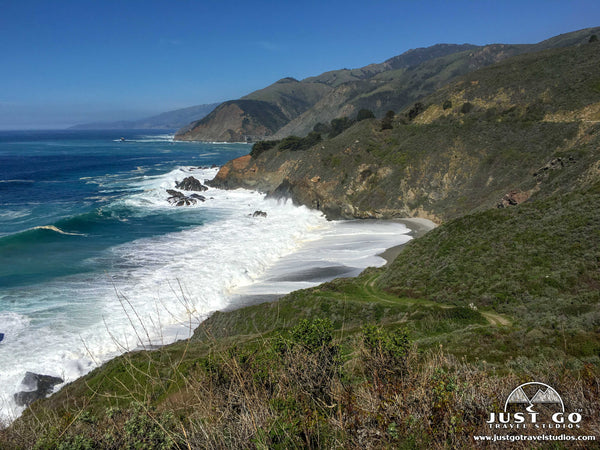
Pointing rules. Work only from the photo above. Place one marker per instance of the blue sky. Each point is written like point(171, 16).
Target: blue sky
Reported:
point(68, 62)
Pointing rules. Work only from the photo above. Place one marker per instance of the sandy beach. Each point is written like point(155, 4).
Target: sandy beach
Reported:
point(304, 276)
point(418, 227)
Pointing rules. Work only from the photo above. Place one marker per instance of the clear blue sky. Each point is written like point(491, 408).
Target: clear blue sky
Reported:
point(67, 62)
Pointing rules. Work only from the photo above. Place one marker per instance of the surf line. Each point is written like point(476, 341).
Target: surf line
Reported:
point(58, 230)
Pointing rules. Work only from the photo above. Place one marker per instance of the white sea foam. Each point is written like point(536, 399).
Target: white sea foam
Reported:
point(160, 288)
point(149, 138)
point(12, 214)
point(56, 230)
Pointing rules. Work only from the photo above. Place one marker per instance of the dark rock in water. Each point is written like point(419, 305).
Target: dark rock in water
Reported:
point(40, 387)
point(259, 214)
point(174, 193)
point(190, 184)
point(186, 201)
point(1, 336)
point(202, 198)
point(180, 199)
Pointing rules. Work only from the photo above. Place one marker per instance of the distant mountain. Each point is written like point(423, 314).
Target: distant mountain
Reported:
point(290, 107)
point(168, 120)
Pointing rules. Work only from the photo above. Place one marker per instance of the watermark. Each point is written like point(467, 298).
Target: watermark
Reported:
point(534, 405)
point(534, 411)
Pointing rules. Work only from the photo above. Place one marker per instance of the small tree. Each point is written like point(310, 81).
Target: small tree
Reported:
point(364, 114)
point(417, 109)
point(338, 125)
point(593, 38)
point(466, 108)
point(387, 121)
point(322, 128)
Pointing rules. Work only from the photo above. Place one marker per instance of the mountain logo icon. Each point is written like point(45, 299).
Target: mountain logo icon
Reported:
point(540, 394)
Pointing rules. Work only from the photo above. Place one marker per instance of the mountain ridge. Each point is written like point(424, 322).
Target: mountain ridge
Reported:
point(391, 85)
point(492, 136)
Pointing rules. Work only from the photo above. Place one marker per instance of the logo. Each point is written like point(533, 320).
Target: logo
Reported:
point(534, 405)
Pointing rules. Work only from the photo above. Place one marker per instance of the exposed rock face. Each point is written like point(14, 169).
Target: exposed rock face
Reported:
point(513, 198)
point(39, 386)
point(259, 214)
point(190, 184)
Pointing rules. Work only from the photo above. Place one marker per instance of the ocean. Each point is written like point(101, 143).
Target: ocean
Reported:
point(94, 261)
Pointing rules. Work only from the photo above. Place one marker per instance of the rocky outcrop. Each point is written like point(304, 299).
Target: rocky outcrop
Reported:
point(190, 184)
point(513, 198)
point(180, 199)
point(37, 386)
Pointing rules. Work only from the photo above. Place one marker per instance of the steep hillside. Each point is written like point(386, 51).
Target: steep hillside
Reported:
point(399, 81)
point(287, 99)
point(235, 121)
point(503, 134)
point(391, 85)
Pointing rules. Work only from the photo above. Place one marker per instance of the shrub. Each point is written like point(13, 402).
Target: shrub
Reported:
point(466, 108)
point(364, 114)
point(417, 109)
point(314, 334)
point(295, 143)
point(387, 121)
point(322, 128)
point(385, 353)
point(339, 125)
point(261, 147)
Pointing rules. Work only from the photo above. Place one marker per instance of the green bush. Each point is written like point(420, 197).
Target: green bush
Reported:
point(314, 334)
point(417, 109)
point(364, 114)
point(387, 121)
point(339, 125)
point(261, 147)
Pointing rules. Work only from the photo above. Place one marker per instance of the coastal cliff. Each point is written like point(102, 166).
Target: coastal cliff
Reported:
point(519, 130)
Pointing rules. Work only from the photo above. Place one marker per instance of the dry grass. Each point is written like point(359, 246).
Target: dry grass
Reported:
point(281, 393)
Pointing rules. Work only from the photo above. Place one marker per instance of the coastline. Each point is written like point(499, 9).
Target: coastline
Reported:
point(417, 227)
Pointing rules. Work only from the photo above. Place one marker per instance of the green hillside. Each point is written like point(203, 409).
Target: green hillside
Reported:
point(524, 128)
point(391, 85)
